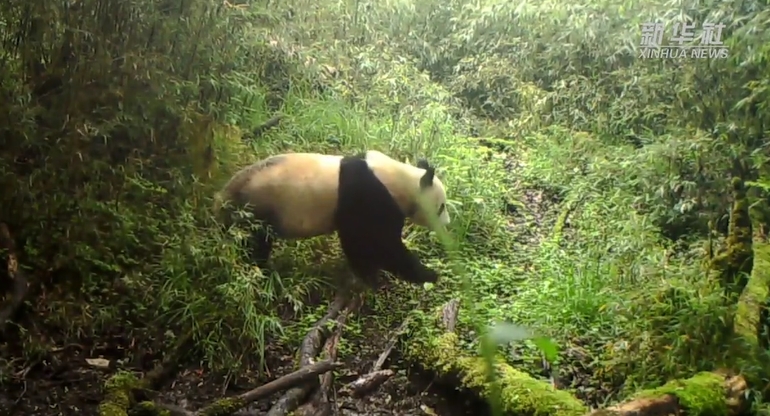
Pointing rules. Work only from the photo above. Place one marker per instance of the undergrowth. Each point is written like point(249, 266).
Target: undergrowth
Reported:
point(590, 191)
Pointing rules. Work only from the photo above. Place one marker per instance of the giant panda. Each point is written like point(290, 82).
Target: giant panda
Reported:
point(364, 198)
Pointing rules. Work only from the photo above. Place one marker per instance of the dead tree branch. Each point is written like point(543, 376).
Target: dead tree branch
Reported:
point(310, 348)
point(262, 128)
point(233, 404)
point(20, 281)
point(169, 367)
point(368, 382)
point(376, 377)
point(319, 403)
point(300, 376)
point(300, 383)
point(391, 343)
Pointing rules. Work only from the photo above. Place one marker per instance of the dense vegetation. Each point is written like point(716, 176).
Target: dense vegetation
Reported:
point(612, 203)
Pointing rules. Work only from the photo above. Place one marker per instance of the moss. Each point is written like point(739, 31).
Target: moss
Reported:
point(117, 394)
point(747, 319)
point(702, 394)
point(735, 264)
point(521, 394)
point(561, 221)
point(223, 407)
point(148, 408)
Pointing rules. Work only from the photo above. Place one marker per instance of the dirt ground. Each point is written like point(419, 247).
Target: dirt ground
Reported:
point(64, 384)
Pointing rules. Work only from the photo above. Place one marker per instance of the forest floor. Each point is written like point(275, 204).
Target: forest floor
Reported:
point(64, 383)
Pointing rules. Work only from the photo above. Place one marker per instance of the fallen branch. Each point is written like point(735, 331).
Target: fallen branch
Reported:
point(367, 382)
point(375, 377)
point(169, 367)
point(20, 281)
point(259, 130)
point(121, 389)
point(230, 405)
point(310, 347)
point(391, 343)
point(319, 403)
point(290, 380)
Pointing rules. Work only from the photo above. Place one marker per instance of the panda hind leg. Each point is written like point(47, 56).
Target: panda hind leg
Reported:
point(261, 245)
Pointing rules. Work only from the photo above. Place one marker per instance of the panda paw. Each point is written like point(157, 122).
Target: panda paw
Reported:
point(422, 275)
point(430, 276)
point(409, 268)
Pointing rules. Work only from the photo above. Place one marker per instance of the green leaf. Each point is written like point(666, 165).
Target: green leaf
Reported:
point(504, 333)
point(548, 346)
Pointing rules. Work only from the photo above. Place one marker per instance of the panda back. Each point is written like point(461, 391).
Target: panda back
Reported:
point(297, 195)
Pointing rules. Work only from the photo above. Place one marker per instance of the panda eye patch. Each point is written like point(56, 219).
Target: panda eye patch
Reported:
point(441, 208)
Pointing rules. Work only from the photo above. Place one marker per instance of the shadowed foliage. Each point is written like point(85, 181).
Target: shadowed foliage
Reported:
point(614, 203)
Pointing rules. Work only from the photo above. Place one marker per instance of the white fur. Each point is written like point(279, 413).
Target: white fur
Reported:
point(303, 189)
point(403, 182)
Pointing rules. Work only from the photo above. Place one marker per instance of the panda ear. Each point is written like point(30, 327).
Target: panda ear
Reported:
point(423, 164)
point(427, 179)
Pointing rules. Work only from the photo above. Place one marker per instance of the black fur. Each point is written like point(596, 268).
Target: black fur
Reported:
point(261, 244)
point(262, 236)
point(369, 224)
point(427, 179)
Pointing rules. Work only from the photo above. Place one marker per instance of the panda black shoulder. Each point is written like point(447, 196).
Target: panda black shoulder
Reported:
point(361, 192)
point(365, 207)
point(369, 225)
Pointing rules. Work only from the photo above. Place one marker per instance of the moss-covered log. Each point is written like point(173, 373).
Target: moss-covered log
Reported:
point(561, 221)
point(117, 394)
point(148, 408)
point(706, 393)
point(520, 393)
point(756, 308)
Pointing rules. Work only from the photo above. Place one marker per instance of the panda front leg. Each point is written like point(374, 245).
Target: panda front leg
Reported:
point(366, 274)
point(406, 265)
point(361, 258)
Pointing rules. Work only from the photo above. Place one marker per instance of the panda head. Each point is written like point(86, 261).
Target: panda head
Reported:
point(432, 190)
